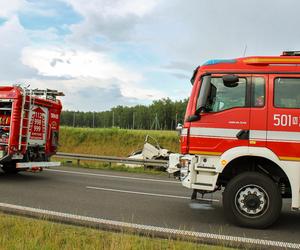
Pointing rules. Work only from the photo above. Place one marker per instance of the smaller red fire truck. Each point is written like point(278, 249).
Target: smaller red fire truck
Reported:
point(29, 125)
point(242, 135)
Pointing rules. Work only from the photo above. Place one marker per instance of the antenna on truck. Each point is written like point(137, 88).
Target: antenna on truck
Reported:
point(245, 50)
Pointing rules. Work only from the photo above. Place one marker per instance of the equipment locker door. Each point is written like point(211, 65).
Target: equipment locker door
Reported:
point(225, 122)
point(38, 125)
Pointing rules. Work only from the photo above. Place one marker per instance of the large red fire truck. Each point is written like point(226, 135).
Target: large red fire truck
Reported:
point(29, 125)
point(242, 135)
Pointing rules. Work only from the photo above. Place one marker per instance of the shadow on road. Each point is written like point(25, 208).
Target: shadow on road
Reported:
point(288, 220)
point(22, 177)
point(212, 219)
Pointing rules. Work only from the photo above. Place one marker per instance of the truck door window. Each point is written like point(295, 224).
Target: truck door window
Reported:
point(222, 97)
point(287, 93)
point(258, 92)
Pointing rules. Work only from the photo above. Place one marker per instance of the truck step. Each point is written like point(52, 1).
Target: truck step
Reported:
point(206, 169)
point(203, 186)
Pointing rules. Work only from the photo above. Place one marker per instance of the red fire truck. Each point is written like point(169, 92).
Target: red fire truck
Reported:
point(29, 125)
point(242, 135)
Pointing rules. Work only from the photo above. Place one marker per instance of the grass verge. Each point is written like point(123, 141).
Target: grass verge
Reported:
point(112, 141)
point(25, 233)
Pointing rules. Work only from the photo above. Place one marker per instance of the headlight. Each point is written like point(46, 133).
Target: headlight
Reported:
point(184, 163)
point(184, 170)
point(184, 173)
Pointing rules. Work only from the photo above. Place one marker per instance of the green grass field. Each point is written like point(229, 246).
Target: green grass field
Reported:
point(25, 233)
point(112, 141)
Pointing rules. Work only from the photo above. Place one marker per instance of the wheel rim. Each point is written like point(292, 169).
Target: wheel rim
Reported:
point(252, 201)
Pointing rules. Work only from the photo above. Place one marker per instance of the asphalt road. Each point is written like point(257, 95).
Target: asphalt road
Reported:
point(135, 198)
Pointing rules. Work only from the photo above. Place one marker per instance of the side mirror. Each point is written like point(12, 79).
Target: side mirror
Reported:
point(203, 95)
point(230, 81)
point(179, 128)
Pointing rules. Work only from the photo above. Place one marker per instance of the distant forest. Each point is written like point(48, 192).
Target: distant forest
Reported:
point(163, 114)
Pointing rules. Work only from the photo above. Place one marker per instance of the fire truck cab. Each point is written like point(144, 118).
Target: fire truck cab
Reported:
point(242, 135)
point(29, 126)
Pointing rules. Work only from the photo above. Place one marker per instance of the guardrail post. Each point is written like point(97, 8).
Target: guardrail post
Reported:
point(78, 162)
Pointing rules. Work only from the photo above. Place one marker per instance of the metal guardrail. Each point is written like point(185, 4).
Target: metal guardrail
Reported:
point(112, 159)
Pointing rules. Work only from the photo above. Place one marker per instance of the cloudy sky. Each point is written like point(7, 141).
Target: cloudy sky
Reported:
point(104, 53)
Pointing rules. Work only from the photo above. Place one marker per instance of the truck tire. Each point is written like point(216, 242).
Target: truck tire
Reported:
point(253, 200)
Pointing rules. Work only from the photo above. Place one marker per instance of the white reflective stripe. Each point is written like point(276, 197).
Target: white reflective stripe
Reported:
point(215, 137)
point(214, 132)
point(283, 136)
point(279, 136)
point(41, 164)
point(149, 194)
point(258, 135)
point(184, 131)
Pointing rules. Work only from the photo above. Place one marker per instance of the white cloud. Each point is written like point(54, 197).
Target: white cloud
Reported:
point(206, 29)
point(112, 20)
point(116, 8)
point(61, 62)
point(93, 94)
point(9, 8)
point(13, 35)
point(76, 69)
point(13, 39)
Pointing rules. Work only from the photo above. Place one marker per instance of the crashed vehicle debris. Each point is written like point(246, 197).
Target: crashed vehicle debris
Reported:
point(151, 151)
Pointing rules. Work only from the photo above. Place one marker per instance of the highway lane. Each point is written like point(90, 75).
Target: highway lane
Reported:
point(135, 198)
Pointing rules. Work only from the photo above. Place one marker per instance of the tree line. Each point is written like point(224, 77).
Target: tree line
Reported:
point(162, 114)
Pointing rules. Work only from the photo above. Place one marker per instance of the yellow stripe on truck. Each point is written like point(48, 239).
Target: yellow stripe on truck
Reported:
point(286, 158)
point(204, 153)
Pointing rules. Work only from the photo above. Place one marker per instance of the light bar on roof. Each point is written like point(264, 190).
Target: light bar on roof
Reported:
point(271, 60)
point(291, 53)
point(218, 61)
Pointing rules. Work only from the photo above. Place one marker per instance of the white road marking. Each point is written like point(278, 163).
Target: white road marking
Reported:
point(151, 230)
point(149, 194)
point(112, 176)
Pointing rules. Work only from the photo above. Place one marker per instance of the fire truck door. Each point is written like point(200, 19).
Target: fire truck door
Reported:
point(224, 123)
point(283, 135)
point(259, 111)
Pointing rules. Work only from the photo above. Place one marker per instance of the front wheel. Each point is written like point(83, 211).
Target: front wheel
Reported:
point(252, 200)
